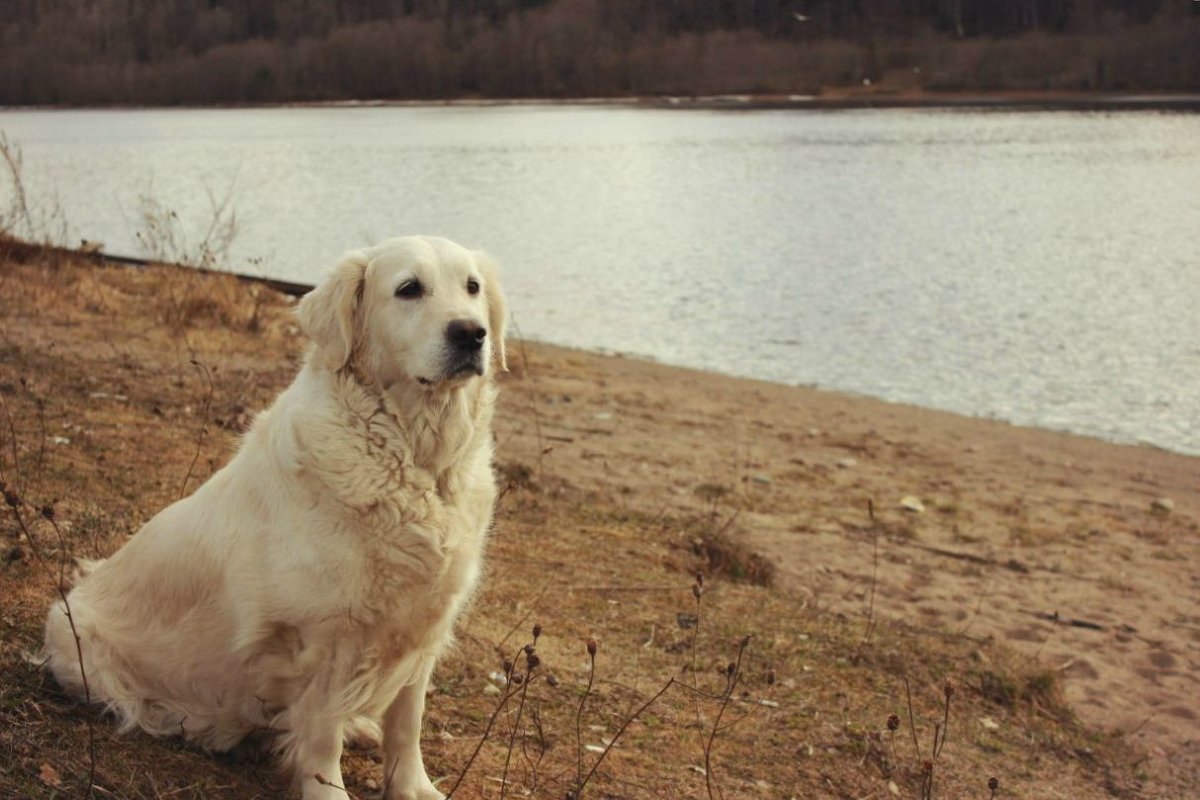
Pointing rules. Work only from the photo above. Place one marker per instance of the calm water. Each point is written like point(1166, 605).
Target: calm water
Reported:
point(1037, 267)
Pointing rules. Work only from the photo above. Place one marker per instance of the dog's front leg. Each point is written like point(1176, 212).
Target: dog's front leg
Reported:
point(315, 758)
point(311, 747)
point(403, 768)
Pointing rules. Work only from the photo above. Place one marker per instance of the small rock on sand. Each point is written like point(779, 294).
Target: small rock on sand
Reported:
point(912, 503)
point(1163, 505)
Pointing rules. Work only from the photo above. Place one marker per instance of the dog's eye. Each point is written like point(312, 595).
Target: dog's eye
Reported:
point(410, 290)
point(472, 286)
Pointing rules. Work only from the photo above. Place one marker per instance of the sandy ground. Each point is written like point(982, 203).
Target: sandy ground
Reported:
point(1081, 554)
point(1048, 543)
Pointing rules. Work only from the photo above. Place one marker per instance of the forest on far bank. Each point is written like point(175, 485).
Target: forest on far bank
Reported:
point(168, 52)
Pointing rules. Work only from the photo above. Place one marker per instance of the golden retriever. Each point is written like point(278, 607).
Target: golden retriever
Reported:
point(311, 584)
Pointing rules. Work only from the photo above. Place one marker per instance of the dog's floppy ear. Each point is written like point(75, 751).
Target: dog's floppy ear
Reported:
point(497, 307)
point(327, 313)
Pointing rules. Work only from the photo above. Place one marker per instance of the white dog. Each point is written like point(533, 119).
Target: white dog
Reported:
point(311, 584)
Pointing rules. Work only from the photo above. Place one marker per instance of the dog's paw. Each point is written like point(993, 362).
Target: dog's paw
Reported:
point(423, 790)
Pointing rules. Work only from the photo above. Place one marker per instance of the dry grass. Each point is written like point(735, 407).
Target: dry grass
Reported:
point(107, 413)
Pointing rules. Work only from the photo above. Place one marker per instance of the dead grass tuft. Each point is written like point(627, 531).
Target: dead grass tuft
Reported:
point(204, 300)
point(722, 555)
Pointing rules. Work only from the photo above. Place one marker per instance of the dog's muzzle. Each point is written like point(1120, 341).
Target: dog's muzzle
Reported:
point(466, 338)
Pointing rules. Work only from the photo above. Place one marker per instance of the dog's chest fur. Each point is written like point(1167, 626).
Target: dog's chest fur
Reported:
point(415, 522)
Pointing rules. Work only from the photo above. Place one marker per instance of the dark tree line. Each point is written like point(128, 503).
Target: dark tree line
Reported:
point(230, 51)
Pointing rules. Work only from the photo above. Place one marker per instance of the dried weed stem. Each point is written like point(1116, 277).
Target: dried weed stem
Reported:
point(15, 503)
point(208, 396)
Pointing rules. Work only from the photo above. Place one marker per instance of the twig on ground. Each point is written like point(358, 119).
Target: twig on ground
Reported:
point(543, 448)
point(532, 608)
point(870, 629)
point(535, 714)
point(18, 213)
point(203, 424)
point(755, 706)
point(591, 651)
point(620, 731)
point(41, 457)
point(948, 692)
point(698, 594)
point(12, 441)
point(531, 664)
point(893, 725)
point(940, 730)
point(912, 723)
point(507, 695)
point(733, 674)
point(14, 503)
point(321, 779)
point(983, 594)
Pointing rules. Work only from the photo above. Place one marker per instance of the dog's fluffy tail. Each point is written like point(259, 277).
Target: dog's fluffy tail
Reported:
point(74, 650)
point(63, 621)
point(113, 682)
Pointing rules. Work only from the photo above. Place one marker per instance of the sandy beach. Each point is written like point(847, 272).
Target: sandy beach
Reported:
point(863, 542)
point(1080, 554)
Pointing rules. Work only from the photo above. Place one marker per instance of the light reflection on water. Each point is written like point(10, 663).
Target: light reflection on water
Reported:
point(1033, 266)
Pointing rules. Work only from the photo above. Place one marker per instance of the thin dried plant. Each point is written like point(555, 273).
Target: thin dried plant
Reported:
point(17, 216)
point(203, 431)
point(23, 218)
point(164, 236)
point(927, 766)
point(16, 506)
point(514, 685)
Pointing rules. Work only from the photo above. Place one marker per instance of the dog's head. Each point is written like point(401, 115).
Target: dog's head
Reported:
point(419, 309)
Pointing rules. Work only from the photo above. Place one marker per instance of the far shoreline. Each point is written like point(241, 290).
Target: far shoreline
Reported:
point(839, 99)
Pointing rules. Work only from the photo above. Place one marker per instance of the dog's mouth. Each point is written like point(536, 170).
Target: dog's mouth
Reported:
point(463, 368)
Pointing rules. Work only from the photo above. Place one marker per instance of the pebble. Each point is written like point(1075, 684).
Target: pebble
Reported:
point(1163, 505)
point(491, 689)
point(846, 463)
point(912, 503)
point(989, 724)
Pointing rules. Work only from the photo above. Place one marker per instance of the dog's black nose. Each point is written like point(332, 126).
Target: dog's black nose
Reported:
point(466, 335)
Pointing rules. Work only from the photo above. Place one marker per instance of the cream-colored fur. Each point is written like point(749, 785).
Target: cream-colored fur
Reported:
point(310, 585)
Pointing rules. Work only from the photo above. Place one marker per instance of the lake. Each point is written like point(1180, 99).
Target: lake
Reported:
point(1038, 267)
